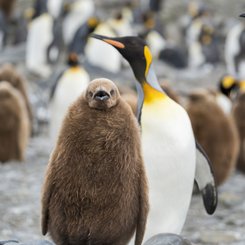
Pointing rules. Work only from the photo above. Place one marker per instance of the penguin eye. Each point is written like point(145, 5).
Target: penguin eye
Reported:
point(90, 94)
point(112, 92)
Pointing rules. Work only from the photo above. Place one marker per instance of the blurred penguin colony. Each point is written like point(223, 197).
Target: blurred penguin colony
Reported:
point(47, 61)
point(48, 40)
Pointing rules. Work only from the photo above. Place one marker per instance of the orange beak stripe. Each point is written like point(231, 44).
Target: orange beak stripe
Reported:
point(114, 43)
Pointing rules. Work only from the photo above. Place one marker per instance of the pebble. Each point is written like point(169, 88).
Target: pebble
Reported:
point(167, 239)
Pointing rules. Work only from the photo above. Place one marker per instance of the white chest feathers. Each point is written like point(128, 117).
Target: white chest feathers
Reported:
point(232, 47)
point(170, 158)
point(39, 37)
point(71, 85)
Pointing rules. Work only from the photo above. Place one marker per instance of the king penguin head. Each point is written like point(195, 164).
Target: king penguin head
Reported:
point(134, 50)
point(137, 53)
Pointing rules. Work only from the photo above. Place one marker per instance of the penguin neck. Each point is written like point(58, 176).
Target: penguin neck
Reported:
point(152, 89)
point(149, 92)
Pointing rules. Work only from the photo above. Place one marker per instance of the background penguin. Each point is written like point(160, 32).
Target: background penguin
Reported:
point(170, 155)
point(55, 7)
point(160, 48)
point(169, 91)
point(222, 101)
point(14, 126)
point(40, 35)
point(215, 131)
point(235, 49)
point(78, 13)
point(228, 85)
point(66, 89)
point(6, 8)
point(10, 74)
point(80, 38)
point(239, 116)
point(95, 188)
point(101, 55)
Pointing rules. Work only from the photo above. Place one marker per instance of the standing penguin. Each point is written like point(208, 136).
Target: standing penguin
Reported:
point(235, 50)
point(6, 9)
point(95, 190)
point(215, 131)
point(79, 12)
point(80, 38)
point(66, 89)
point(40, 35)
point(14, 126)
point(169, 146)
point(9, 73)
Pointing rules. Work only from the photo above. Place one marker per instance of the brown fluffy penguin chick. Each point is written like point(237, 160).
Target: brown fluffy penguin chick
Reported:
point(130, 96)
point(95, 190)
point(239, 116)
point(9, 73)
point(14, 126)
point(132, 101)
point(216, 133)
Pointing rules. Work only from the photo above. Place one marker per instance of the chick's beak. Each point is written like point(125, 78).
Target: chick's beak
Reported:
point(101, 95)
point(242, 15)
point(112, 41)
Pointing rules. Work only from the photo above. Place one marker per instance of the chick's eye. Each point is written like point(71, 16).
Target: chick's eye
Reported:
point(90, 94)
point(112, 92)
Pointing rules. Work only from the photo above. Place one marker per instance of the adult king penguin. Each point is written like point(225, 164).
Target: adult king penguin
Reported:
point(169, 147)
point(66, 89)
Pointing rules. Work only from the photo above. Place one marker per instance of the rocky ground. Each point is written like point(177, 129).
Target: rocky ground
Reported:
point(20, 183)
point(20, 186)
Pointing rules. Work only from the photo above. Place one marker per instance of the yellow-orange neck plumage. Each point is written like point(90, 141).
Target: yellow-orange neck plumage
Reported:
point(151, 94)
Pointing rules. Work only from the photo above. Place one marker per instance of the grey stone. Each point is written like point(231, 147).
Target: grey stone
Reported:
point(8, 242)
point(167, 239)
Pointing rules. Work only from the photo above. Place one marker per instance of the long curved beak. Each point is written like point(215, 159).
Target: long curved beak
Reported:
point(242, 15)
point(110, 40)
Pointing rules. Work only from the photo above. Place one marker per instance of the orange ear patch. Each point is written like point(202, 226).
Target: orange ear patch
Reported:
point(114, 43)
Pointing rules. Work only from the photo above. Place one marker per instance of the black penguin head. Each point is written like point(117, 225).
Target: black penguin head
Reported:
point(102, 94)
point(73, 59)
point(134, 50)
point(227, 85)
point(92, 23)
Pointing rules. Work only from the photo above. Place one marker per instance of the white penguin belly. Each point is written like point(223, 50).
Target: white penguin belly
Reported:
point(232, 47)
point(71, 85)
point(39, 37)
point(170, 160)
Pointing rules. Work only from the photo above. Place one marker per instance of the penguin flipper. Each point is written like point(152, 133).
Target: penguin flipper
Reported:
point(46, 195)
point(205, 180)
point(55, 80)
point(45, 212)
